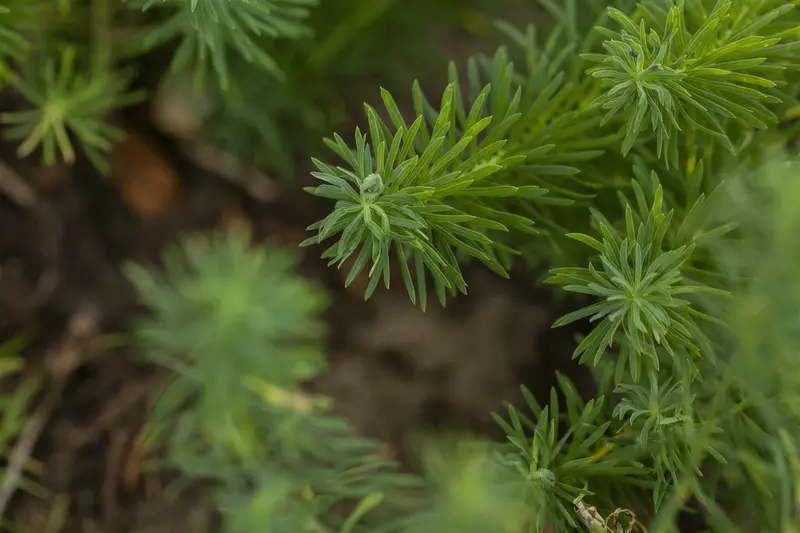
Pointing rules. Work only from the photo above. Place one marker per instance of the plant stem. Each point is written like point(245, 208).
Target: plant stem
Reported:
point(346, 32)
point(101, 17)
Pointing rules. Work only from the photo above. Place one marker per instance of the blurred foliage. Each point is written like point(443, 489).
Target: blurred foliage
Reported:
point(270, 125)
point(242, 333)
point(210, 31)
point(67, 102)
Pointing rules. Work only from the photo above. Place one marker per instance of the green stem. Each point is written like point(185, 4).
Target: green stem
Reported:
point(101, 17)
point(346, 32)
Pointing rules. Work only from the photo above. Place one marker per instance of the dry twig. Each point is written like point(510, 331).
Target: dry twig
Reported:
point(68, 355)
point(15, 187)
point(257, 184)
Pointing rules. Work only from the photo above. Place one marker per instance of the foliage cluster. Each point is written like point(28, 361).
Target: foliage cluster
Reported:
point(266, 66)
point(643, 153)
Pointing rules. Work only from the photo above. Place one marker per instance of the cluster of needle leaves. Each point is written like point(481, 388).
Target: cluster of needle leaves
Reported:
point(67, 60)
point(209, 31)
point(268, 68)
point(630, 144)
point(242, 333)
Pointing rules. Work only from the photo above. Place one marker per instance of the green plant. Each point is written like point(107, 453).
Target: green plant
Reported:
point(241, 332)
point(268, 67)
point(67, 102)
point(71, 86)
point(633, 141)
point(11, 42)
point(270, 124)
point(209, 31)
point(639, 152)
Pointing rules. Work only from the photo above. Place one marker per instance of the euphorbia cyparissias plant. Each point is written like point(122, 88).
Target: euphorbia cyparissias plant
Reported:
point(639, 151)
